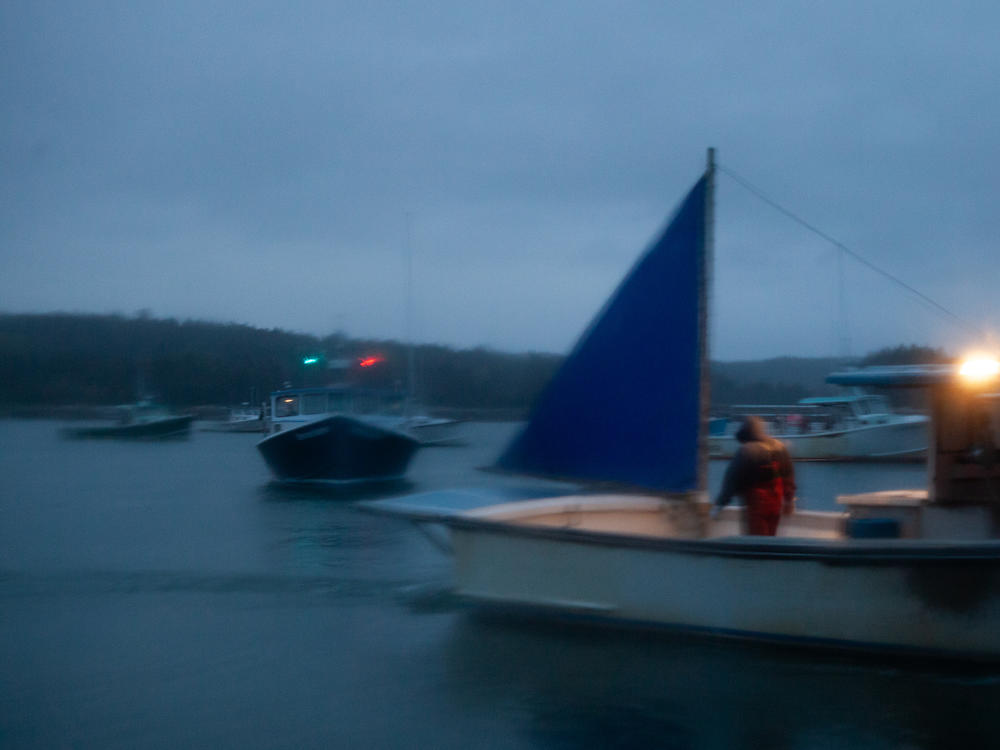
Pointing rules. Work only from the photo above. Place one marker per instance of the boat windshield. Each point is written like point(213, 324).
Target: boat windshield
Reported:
point(879, 405)
point(378, 403)
point(338, 402)
point(314, 403)
point(286, 406)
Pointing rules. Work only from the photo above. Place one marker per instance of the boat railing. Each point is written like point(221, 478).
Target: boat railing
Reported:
point(788, 421)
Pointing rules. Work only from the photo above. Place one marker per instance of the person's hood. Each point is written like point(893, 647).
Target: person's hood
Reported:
point(751, 430)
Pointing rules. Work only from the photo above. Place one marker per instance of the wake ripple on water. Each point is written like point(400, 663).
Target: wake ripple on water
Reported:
point(15, 585)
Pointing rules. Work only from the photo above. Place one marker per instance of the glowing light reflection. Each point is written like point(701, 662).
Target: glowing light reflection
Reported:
point(979, 368)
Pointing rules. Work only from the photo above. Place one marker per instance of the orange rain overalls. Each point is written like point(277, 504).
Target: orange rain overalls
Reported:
point(765, 500)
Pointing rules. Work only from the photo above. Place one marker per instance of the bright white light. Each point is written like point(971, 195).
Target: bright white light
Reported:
point(980, 368)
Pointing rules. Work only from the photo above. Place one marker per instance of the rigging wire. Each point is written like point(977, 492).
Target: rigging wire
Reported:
point(842, 247)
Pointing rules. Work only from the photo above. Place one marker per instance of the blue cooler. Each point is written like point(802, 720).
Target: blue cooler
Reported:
point(873, 528)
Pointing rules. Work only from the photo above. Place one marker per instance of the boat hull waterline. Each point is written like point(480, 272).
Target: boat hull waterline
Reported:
point(338, 449)
point(430, 432)
point(918, 596)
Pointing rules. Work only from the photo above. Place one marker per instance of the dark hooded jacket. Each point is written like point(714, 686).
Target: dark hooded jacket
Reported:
point(754, 464)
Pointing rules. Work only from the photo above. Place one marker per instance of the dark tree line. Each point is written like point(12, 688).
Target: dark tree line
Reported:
point(62, 359)
point(104, 359)
point(906, 355)
point(914, 399)
point(780, 380)
point(72, 359)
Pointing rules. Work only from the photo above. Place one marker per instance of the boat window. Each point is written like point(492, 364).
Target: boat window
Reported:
point(862, 407)
point(365, 403)
point(879, 405)
point(313, 403)
point(337, 402)
point(394, 405)
point(286, 406)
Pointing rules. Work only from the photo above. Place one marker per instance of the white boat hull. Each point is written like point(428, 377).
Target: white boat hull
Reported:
point(237, 425)
point(903, 439)
point(433, 432)
point(888, 595)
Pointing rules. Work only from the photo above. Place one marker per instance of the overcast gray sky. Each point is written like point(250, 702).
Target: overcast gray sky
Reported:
point(276, 164)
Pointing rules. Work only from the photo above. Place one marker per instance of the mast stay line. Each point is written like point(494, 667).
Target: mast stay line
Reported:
point(841, 246)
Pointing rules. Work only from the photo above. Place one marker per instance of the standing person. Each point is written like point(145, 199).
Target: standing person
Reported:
point(761, 473)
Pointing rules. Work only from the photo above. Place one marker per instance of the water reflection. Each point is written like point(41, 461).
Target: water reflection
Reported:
point(591, 687)
point(170, 595)
point(275, 491)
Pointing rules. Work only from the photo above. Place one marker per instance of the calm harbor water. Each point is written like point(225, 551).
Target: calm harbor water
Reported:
point(168, 595)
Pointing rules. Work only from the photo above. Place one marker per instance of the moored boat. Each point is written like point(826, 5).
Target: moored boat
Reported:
point(142, 421)
point(387, 408)
point(338, 448)
point(914, 571)
point(336, 434)
point(240, 421)
point(434, 431)
point(850, 427)
point(254, 424)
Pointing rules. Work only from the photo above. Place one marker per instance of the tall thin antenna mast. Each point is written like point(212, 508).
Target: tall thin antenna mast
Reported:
point(410, 369)
point(845, 333)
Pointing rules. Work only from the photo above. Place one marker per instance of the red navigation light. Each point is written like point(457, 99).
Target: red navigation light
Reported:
point(369, 361)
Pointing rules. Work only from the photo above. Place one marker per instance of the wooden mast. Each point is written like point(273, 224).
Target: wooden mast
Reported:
point(704, 300)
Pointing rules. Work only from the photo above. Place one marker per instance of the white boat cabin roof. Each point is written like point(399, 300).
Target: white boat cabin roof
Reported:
point(313, 400)
point(818, 405)
point(846, 399)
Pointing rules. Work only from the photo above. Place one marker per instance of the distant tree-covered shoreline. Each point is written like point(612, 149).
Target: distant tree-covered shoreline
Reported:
point(62, 359)
point(71, 359)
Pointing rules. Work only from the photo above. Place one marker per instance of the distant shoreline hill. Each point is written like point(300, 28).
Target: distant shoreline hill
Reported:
point(786, 380)
point(53, 364)
point(779, 380)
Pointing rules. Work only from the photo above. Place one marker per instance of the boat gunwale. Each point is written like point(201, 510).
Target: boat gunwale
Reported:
point(904, 420)
point(842, 551)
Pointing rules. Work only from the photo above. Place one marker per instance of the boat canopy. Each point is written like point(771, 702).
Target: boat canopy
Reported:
point(337, 388)
point(625, 406)
point(292, 402)
point(899, 376)
point(833, 400)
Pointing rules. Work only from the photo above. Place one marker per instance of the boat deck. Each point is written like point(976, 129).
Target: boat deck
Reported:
point(909, 513)
point(653, 517)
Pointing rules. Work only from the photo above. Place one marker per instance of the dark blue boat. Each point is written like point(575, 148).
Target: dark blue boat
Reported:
point(338, 448)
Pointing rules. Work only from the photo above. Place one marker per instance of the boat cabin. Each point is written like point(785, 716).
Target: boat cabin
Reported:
point(812, 415)
point(306, 404)
point(962, 497)
point(863, 408)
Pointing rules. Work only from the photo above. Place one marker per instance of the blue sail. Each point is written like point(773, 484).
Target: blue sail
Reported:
point(626, 405)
